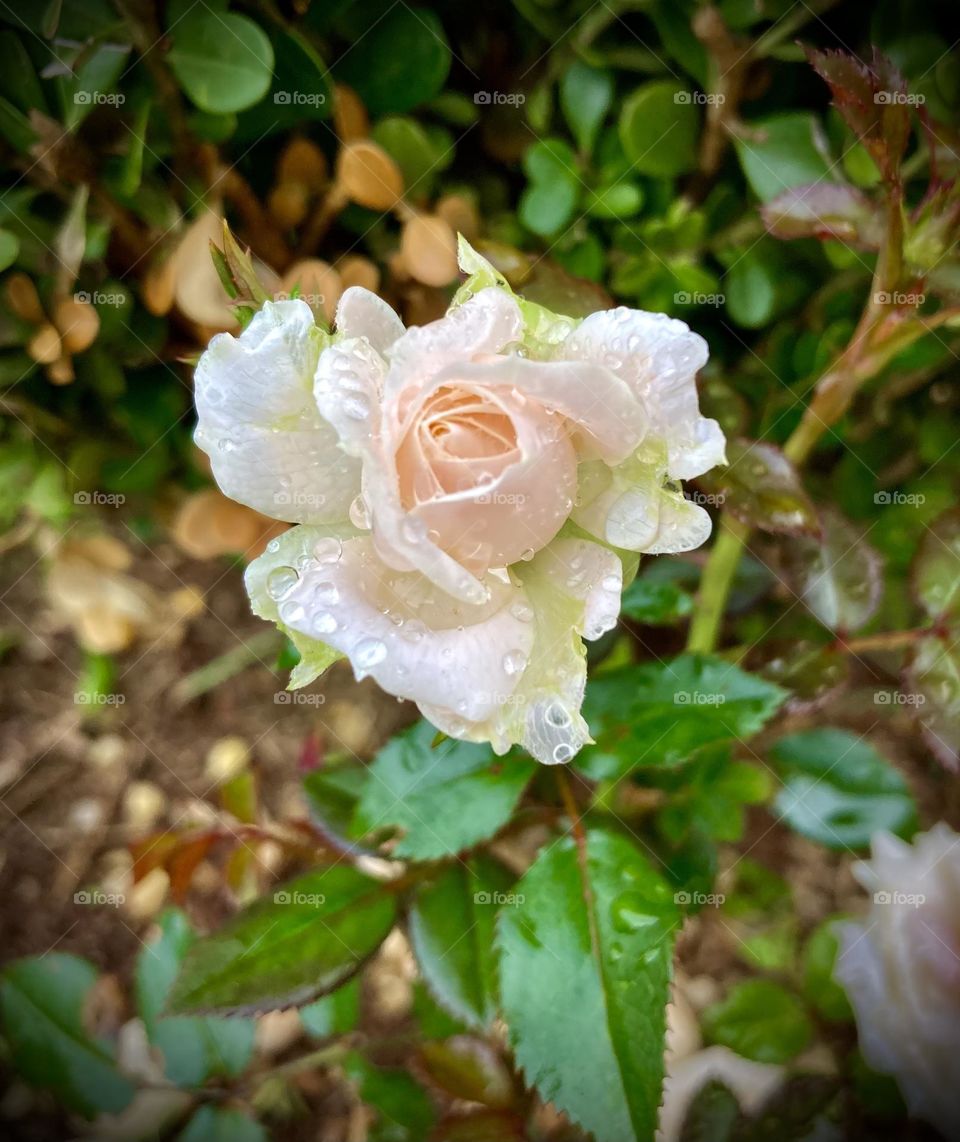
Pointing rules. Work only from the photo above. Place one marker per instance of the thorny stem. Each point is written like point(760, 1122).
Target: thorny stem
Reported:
point(869, 349)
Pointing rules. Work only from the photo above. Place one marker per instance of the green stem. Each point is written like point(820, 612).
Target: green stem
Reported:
point(715, 583)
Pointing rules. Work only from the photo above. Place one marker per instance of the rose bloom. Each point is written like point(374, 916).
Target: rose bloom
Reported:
point(466, 491)
point(901, 970)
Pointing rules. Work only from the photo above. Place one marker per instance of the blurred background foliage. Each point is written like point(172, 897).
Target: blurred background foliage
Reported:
point(641, 152)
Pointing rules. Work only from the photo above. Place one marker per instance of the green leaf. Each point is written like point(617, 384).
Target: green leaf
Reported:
point(656, 599)
point(216, 1124)
point(304, 940)
point(936, 569)
point(760, 486)
point(413, 150)
point(469, 1068)
point(402, 61)
point(550, 200)
point(782, 152)
point(711, 1115)
point(223, 61)
point(451, 921)
point(9, 248)
point(42, 1003)
point(584, 979)
point(759, 1020)
point(819, 987)
point(299, 90)
point(838, 790)
point(444, 799)
point(404, 1112)
point(933, 678)
point(838, 576)
point(585, 97)
point(659, 128)
point(193, 1048)
point(661, 713)
point(334, 1014)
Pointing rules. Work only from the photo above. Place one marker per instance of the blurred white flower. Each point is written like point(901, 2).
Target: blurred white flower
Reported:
point(460, 487)
point(901, 970)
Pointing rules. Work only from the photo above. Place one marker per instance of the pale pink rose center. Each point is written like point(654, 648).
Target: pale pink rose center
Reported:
point(489, 474)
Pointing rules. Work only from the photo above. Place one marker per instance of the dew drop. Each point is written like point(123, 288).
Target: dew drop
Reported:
point(323, 623)
point(369, 652)
point(563, 752)
point(281, 581)
point(522, 612)
point(360, 514)
point(514, 661)
point(556, 715)
point(291, 612)
point(326, 592)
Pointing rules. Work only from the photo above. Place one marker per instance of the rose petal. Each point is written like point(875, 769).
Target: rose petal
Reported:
point(658, 357)
point(346, 388)
point(397, 627)
point(268, 445)
point(361, 313)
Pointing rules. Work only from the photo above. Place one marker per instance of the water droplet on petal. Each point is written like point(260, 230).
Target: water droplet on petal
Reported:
point(326, 592)
point(369, 652)
point(323, 623)
point(281, 581)
point(522, 612)
point(563, 752)
point(291, 612)
point(360, 514)
point(328, 550)
point(514, 661)
point(556, 715)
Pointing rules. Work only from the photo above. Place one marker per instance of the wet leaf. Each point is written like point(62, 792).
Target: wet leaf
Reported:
point(286, 948)
point(838, 790)
point(760, 486)
point(933, 682)
point(936, 568)
point(839, 576)
point(423, 792)
point(599, 934)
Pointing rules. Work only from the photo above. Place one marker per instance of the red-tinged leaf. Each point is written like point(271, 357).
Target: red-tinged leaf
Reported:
point(932, 681)
point(239, 797)
point(825, 210)
point(183, 862)
point(153, 852)
point(943, 143)
point(469, 1068)
point(760, 486)
point(838, 576)
point(873, 101)
point(811, 672)
point(935, 575)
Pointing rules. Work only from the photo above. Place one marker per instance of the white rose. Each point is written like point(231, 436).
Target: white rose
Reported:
point(901, 970)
